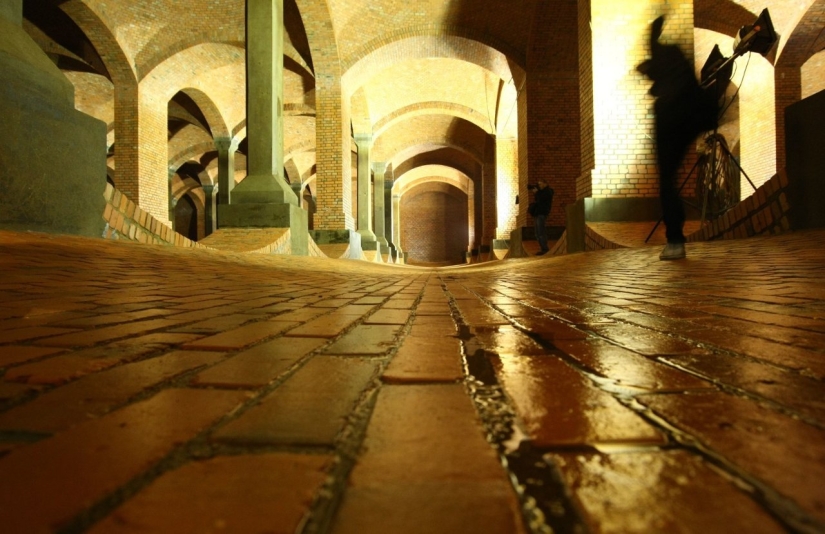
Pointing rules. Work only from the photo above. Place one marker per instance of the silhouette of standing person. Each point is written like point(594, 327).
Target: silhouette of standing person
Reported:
point(682, 111)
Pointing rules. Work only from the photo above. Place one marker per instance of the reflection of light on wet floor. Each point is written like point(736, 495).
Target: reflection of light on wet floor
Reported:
point(619, 447)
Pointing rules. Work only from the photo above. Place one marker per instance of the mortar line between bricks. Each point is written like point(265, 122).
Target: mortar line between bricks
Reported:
point(783, 509)
point(188, 451)
point(349, 442)
point(492, 404)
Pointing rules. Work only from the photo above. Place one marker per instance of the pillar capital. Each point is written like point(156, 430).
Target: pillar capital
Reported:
point(226, 144)
point(363, 140)
point(379, 167)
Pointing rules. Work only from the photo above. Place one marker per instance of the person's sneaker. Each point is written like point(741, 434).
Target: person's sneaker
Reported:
point(673, 251)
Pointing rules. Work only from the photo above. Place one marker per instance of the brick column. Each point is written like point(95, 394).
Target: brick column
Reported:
point(364, 143)
point(507, 180)
point(488, 197)
point(141, 148)
point(210, 209)
point(380, 211)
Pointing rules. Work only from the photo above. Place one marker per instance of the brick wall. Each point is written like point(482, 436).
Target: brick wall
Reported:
point(434, 224)
point(813, 75)
point(625, 150)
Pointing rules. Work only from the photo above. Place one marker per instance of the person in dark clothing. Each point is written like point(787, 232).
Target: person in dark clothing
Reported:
point(683, 110)
point(540, 209)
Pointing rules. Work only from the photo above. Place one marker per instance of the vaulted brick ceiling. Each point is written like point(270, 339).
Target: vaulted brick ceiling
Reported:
point(432, 74)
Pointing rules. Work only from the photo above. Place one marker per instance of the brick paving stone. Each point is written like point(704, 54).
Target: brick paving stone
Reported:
point(301, 315)
point(370, 300)
point(95, 395)
point(658, 491)
point(45, 484)
point(643, 340)
point(425, 308)
point(426, 467)
point(479, 314)
point(332, 303)
point(10, 390)
point(505, 339)
point(310, 408)
point(754, 438)
point(261, 493)
point(441, 329)
point(628, 368)
point(426, 359)
point(215, 325)
point(241, 337)
point(762, 349)
point(561, 408)
point(399, 304)
point(51, 319)
point(107, 319)
point(366, 339)
point(259, 365)
point(326, 326)
point(13, 354)
point(550, 329)
point(170, 339)
point(63, 367)
point(32, 332)
point(200, 304)
point(515, 310)
point(100, 335)
point(389, 316)
point(802, 394)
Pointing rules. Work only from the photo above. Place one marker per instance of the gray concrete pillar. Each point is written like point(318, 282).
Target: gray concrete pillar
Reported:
point(226, 168)
point(380, 170)
point(396, 224)
point(172, 202)
point(264, 199)
point(210, 209)
point(12, 10)
point(265, 183)
point(364, 144)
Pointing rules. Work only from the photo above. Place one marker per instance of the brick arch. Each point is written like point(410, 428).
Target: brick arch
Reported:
point(435, 130)
point(413, 151)
point(293, 174)
point(430, 108)
point(802, 41)
point(439, 32)
point(360, 112)
point(431, 46)
point(799, 47)
point(210, 110)
point(722, 16)
point(175, 72)
point(431, 173)
point(97, 29)
point(190, 152)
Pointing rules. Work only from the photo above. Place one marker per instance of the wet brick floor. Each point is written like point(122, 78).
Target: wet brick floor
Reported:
point(151, 389)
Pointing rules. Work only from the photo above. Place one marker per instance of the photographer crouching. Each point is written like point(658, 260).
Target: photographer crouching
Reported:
point(540, 209)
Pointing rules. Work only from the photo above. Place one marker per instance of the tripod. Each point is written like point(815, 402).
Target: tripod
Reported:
point(717, 181)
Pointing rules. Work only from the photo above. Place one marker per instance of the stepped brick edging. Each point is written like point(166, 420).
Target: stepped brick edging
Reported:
point(126, 221)
point(764, 212)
